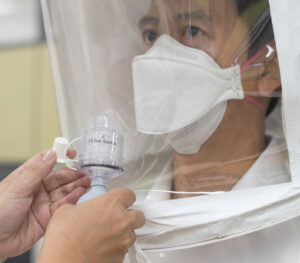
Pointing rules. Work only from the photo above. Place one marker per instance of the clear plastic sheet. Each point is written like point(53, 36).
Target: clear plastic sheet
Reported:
point(189, 84)
point(195, 88)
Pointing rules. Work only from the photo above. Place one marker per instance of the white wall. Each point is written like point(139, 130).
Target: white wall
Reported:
point(20, 22)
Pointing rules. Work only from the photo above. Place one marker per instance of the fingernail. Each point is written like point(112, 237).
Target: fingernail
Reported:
point(49, 156)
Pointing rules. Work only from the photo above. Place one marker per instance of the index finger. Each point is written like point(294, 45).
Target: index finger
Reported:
point(71, 153)
point(61, 177)
point(125, 196)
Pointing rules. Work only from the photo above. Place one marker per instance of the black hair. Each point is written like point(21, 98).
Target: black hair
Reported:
point(267, 35)
point(243, 4)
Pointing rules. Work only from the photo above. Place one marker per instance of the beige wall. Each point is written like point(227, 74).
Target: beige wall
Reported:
point(28, 116)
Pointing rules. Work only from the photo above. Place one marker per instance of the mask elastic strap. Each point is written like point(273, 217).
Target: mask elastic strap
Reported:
point(268, 49)
point(255, 103)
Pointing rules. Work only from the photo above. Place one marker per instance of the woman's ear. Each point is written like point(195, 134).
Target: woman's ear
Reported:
point(270, 79)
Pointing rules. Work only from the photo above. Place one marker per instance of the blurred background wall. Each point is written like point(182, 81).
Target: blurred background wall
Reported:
point(28, 116)
point(28, 111)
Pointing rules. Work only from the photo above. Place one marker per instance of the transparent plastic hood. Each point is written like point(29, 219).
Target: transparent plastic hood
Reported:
point(188, 85)
point(195, 89)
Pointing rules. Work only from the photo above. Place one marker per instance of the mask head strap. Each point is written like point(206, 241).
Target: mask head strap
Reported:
point(268, 50)
point(255, 103)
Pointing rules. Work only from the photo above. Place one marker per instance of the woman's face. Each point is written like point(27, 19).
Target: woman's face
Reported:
point(214, 27)
point(209, 25)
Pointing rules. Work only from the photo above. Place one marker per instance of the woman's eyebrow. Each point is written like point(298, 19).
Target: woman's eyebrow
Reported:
point(154, 21)
point(199, 15)
point(148, 20)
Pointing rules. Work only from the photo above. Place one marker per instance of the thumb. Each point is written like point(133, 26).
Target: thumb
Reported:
point(28, 177)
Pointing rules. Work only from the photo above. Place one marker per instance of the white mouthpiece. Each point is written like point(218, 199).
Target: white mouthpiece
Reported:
point(59, 147)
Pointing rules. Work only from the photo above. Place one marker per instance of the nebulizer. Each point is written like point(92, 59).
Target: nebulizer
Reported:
point(100, 156)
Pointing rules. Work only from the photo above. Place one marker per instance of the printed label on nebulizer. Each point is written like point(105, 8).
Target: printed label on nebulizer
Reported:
point(101, 152)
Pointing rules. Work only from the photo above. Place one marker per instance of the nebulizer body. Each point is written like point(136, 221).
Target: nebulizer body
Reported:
point(100, 155)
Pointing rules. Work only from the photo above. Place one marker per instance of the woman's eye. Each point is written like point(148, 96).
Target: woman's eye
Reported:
point(149, 36)
point(192, 31)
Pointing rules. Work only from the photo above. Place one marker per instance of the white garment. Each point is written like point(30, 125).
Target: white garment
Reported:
point(271, 168)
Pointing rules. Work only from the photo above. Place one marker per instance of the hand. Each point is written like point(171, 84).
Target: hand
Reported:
point(28, 198)
point(99, 230)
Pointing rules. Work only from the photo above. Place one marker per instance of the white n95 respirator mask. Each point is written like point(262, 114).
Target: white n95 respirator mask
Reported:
point(178, 87)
